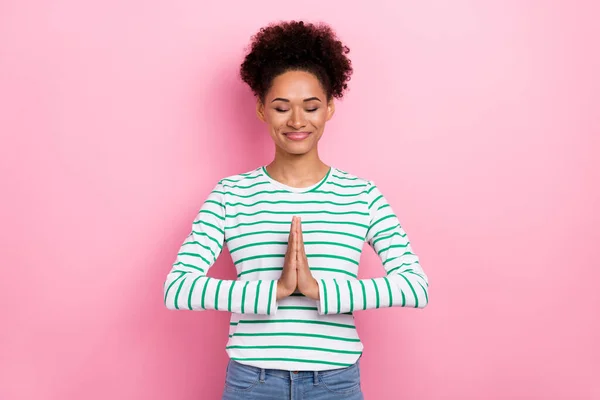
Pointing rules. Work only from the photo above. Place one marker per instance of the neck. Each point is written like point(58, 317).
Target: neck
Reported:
point(297, 169)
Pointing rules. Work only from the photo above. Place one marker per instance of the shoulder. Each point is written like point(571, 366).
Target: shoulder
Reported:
point(369, 190)
point(241, 179)
point(346, 178)
point(234, 185)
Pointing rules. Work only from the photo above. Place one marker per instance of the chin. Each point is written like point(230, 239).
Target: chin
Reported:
point(296, 150)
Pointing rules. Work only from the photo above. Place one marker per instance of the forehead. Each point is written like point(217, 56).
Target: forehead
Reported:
point(296, 85)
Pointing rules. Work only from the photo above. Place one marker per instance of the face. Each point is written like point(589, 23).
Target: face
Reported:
point(296, 110)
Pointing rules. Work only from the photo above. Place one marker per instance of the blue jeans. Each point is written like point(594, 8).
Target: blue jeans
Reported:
point(252, 383)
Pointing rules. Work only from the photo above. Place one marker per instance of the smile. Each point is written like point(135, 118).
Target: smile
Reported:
point(296, 135)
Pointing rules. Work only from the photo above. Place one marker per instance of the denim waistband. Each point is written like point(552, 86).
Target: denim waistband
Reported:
point(294, 375)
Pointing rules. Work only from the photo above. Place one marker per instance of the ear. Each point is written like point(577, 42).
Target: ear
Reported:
point(330, 109)
point(260, 110)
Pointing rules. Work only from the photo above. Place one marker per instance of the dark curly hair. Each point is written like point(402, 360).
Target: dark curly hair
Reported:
point(293, 46)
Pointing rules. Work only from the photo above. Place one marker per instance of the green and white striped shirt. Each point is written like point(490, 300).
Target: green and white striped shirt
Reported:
point(251, 213)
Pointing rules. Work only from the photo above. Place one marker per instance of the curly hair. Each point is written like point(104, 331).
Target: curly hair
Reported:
point(293, 46)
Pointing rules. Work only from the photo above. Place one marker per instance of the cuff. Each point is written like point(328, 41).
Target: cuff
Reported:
point(271, 298)
point(322, 306)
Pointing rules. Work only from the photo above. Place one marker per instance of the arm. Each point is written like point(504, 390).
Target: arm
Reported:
point(405, 283)
point(187, 285)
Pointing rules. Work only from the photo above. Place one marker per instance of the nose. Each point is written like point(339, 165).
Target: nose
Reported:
point(296, 120)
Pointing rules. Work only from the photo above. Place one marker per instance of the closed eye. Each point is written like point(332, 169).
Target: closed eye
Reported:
point(280, 110)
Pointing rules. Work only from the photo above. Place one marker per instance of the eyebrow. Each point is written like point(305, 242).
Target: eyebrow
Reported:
point(287, 101)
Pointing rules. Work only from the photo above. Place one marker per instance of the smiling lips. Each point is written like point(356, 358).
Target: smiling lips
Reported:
point(297, 135)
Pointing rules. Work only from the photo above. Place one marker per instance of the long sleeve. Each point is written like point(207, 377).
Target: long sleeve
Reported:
point(187, 285)
point(405, 283)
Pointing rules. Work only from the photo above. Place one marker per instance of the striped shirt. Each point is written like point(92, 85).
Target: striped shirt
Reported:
point(251, 213)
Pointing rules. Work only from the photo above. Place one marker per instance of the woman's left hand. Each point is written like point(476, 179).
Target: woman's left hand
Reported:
point(307, 284)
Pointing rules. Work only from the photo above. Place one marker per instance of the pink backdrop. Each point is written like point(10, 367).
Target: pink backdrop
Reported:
point(479, 120)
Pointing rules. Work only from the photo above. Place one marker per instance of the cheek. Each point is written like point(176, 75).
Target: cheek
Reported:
point(318, 118)
point(276, 120)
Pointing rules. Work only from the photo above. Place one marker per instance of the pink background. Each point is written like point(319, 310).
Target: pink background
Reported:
point(478, 120)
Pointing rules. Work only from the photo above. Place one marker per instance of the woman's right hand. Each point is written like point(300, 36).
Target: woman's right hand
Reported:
point(288, 282)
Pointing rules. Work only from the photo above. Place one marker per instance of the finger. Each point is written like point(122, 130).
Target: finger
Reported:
point(290, 234)
point(301, 250)
point(297, 241)
point(293, 250)
point(290, 240)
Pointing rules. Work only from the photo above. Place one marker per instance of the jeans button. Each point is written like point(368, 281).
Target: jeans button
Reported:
point(295, 372)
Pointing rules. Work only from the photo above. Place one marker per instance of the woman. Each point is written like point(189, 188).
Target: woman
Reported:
point(295, 230)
